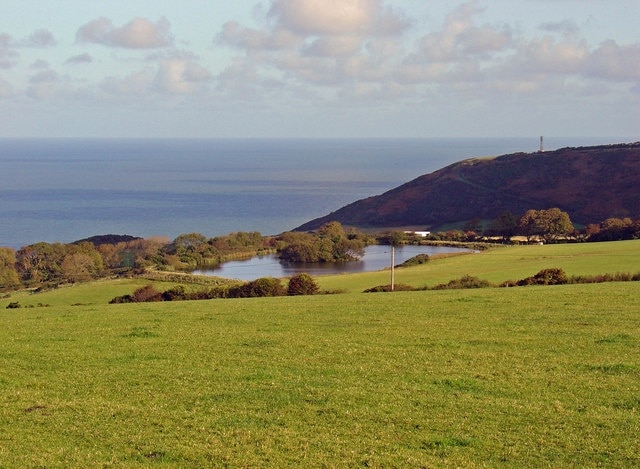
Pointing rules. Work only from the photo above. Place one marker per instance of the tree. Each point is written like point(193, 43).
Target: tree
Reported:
point(394, 238)
point(8, 275)
point(78, 267)
point(265, 286)
point(301, 252)
point(617, 228)
point(474, 225)
point(40, 262)
point(330, 244)
point(549, 224)
point(194, 249)
point(528, 226)
point(332, 230)
point(302, 284)
point(505, 225)
point(555, 224)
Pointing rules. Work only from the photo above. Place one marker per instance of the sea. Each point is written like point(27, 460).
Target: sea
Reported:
point(63, 190)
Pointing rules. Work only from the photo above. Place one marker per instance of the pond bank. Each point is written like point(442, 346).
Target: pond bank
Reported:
point(376, 257)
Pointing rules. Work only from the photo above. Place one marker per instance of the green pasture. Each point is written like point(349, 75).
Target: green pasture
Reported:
point(503, 263)
point(519, 377)
point(83, 294)
point(535, 376)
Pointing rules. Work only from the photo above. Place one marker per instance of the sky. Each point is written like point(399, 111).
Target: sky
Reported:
point(319, 68)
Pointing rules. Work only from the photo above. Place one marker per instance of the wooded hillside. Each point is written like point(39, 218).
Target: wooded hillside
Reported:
point(589, 183)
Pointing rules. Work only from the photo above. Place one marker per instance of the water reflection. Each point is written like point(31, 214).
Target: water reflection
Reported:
point(376, 257)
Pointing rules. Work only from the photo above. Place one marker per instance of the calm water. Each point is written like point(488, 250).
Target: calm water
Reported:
point(64, 190)
point(375, 258)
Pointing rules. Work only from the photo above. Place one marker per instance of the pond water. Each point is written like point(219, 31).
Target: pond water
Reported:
point(376, 257)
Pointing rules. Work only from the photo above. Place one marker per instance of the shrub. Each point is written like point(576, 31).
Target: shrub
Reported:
point(416, 260)
point(121, 299)
point(466, 281)
point(553, 276)
point(265, 286)
point(141, 295)
point(176, 293)
point(145, 294)
point(302, 284)
point(387, 288)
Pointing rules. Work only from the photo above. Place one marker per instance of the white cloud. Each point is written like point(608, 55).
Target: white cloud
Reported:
point(135, 84)
point(339, 46)
point(337, 17)
point(460, 38)
point(6, 90)
point(79, 59)
point(326, 56)
point(45, 76)
point(8, 56)
point(8, 45)
point(173, 76)
point(613, 61)
point(181, 76)
point(319, 42)
point(44, 85)
point(39, 38)
point(236, 35)
point(139, 33)
point(39, 64)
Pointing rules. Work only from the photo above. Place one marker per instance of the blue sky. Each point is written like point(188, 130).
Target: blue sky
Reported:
point(319, 68)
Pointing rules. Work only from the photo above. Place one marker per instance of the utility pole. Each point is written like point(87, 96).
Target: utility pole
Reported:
point(393, 263)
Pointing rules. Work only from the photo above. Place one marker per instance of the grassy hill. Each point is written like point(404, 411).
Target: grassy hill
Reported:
point(519, 377)
point(501, 264)
point(590, 183)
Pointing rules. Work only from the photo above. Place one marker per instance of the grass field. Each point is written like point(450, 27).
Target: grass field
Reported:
point(500, 264)
point(520, 377)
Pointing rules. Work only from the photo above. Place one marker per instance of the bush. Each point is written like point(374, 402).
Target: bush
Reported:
point(466, 281)
point(176, 293)
point(146, 294)
point(553, 276)
point(141, 295)
point(416, 260)
point(121, 299)
point(387, 288)
point(302, 284)
point(265, 286)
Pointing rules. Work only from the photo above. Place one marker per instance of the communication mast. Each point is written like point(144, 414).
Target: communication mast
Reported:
point(541, 144)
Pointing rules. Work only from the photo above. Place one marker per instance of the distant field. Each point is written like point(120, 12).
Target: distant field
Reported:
point(500, 264)
point(536, 376)
point(519, 377)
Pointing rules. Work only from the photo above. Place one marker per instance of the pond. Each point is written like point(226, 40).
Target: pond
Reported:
point(376, 257)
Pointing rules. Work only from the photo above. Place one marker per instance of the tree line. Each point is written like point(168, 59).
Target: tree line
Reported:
point(300, 284)
point(549, 226)
point(48, 264)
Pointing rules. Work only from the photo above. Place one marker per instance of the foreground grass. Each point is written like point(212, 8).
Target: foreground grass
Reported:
point(536, 376)
point(500, 264)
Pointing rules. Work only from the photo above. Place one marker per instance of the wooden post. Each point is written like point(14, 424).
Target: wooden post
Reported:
point(393, 262)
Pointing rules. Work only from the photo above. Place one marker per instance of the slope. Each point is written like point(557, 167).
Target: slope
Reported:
point(590, 183)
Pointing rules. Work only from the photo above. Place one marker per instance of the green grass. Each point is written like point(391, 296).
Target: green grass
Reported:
point(520, 377)
point(536, 376)
point(500, 264)
point(96, 293)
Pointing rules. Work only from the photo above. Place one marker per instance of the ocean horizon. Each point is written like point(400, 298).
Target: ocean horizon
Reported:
point(63, 190)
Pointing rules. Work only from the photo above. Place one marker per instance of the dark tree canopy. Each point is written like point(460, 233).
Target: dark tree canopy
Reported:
point(547, 224)
point(329, 244)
